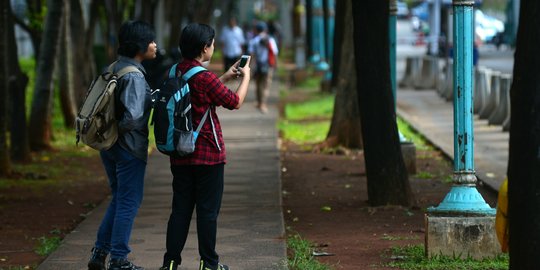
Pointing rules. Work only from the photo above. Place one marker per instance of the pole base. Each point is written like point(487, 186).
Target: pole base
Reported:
point(462, 237)
point(463, 200)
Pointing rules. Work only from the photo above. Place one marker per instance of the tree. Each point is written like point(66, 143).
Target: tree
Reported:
point(82, 38)
point(17, 82)
point(5, 164)
point(35, 14)
point(175, 14)
point(41, 113)
point(345, 128)
point(524, 154)
point(66, 70)
point(387, 176)
point(201, 11)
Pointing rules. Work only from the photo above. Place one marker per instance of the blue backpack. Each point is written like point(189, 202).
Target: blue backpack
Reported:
point(173, 129)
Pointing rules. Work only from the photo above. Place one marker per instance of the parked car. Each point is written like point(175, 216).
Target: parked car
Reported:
point(402, 10)
point(487, 27)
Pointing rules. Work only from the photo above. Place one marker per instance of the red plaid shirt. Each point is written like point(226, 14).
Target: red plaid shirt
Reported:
point(206, 91)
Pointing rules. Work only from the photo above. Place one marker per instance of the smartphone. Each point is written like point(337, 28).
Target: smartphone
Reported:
point(243, 60)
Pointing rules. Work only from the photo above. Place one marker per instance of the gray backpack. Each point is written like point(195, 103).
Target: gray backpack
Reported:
point(96, 124)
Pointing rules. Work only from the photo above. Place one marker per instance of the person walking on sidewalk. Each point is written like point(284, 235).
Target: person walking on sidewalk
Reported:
point(264, 48)
point(198, 178)
point(125, 161)
point(232, 40)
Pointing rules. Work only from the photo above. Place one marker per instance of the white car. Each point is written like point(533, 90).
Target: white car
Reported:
point(487, 27)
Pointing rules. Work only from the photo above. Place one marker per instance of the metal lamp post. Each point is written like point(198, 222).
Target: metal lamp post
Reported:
point(463, 197)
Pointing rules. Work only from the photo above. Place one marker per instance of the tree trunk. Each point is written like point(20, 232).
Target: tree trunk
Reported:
point(112, 21)
point(82, 37)
point(524, 154)
point(34, 26)
point(20, 150)
point(387, 176)
point(145, 10)
point(309, 30)
point(41, 114)
point(202, 12)
point(345, 128)
point(176, 14)
point(5, 164)
point(343, 9)
point(66, 70)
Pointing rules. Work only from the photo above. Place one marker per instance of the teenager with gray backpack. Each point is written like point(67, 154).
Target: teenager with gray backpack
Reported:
point(198, 177)
point(125, 159)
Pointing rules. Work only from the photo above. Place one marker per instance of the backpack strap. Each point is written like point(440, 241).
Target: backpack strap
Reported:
point(123, 71)
point(172, 71)
point(127, 70)
point(192, 71)
point(203, 119)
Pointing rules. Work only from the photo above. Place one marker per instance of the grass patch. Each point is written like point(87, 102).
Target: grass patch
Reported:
point(47, 245)
point(312, 82)
point(321, 106)
point(413, 257)
point(307, 122)
point(425, 175)
point(398, 238)
point(304, 133)
point(300, 255)
point(410, 134)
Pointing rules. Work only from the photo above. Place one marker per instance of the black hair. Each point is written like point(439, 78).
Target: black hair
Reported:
point(134, 37)
point(193, 39)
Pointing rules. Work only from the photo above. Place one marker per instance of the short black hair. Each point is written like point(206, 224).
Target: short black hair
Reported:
point(134, 37)
point(193, 39)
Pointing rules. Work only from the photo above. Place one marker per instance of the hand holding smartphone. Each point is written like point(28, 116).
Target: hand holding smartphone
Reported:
point(243, 60)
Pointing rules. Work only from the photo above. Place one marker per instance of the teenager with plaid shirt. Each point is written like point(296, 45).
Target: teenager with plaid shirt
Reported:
point(198, 177)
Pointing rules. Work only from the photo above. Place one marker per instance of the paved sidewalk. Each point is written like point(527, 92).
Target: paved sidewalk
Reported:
point(250, 230)
point(432, 116)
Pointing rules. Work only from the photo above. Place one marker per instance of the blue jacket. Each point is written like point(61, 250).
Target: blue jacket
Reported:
point(133, 105)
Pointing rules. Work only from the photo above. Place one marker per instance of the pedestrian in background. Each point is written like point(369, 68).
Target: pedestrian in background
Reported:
point(125, 161)
point(198, 178)
point(264, 49)
point(232, 40)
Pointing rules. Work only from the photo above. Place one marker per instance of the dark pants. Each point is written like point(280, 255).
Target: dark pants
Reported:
point(126, 179)
point(200, 187)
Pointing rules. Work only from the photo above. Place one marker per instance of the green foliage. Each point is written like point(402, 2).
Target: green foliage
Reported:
point(47, 245)
point(301, 255)
point(36, 20)
point(413, 257)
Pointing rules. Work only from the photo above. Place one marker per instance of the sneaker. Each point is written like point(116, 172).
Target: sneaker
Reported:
point(172, 265)
point(97, 261)
point(206, 266)
point(122, 264)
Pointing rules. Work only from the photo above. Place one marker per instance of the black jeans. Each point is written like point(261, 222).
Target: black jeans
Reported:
point(199, 186)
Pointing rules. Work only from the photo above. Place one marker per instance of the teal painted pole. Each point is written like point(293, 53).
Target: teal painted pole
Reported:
point(318, 41)
point(330, 25)
point(392, 38)
point(463, 197)
point(392, 31)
